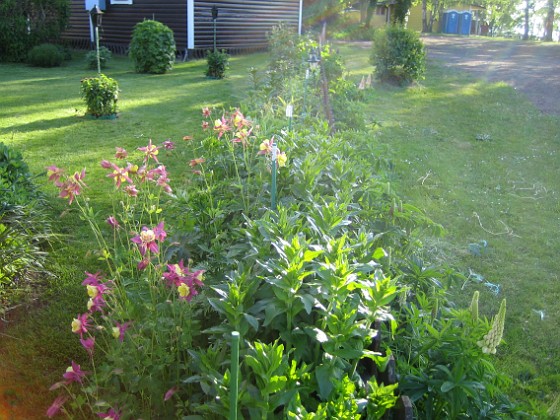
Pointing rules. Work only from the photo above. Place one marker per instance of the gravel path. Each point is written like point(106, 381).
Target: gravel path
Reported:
point(531, 68)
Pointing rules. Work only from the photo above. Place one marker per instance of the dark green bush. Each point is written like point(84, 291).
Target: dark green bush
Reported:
point(101, 94)
point(24, 226)
point(104, 57)
point(218, 64)
point(45, 55)
point(24, 24)
point(398, 55)
point(152, 47)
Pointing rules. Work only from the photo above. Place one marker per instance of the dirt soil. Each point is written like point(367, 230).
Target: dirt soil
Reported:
point(531, 68)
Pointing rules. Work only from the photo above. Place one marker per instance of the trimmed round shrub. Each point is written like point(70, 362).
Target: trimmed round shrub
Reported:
point(104, 57)
point(45, 55)
point(218, 63)
point(152, 47)
point(398, 55)
point(101, 94)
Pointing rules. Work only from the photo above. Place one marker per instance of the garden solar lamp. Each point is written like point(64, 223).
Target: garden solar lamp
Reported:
point(289, 115)
point(96, 17)
point(313, 60)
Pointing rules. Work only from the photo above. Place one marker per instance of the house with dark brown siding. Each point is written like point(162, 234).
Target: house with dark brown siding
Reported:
point(240, 25)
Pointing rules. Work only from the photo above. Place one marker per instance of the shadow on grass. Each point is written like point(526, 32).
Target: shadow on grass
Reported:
point(45, 124)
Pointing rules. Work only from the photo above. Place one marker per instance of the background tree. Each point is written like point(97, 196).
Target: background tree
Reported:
point(401, 10)
point(549, 20)
point(501, 15)
point(26, 23)
point(367, 9)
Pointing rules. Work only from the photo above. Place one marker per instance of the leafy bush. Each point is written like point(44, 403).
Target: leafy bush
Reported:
point(24, 24)
point(104, 57)
point(101, 94)
point(218, 64)
point(152, 47)
point(285, 56)
point(398, 55)
point(24, 227)
point(45, 55)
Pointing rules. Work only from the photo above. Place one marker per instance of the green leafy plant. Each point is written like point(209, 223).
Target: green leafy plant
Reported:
point(104, 58)
point(45, 55)
point(100, 94)
point(398, 55)
point(152, 47)
point(218, 64)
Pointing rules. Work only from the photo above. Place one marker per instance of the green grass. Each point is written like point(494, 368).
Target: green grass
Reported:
point(42, 115)
point(483, 162)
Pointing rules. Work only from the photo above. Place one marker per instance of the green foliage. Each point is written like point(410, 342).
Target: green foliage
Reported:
point(104, 58)
point(45, 55)
point(152, 47)
point(47, 19)
point(285, 56)
point(24, 227)
point(398, 55)
point(100, 94)
point(401, 10)
point(218, 64)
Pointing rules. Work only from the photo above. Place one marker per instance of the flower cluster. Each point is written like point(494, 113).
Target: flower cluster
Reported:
point(129, 172)
point(267, 148)
point(147, 242)
point(491, 340)
point(186, 282)
point(69, 186)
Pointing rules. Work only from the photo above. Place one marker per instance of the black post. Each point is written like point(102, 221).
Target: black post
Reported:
point(214, 19)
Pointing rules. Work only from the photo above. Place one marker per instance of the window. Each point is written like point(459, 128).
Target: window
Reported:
point(121, 1)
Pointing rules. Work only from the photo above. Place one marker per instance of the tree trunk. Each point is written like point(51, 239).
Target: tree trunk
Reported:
point(372, 5)
point(526, 31)
point(364, 4)
point(425, 16)
point(549, 22)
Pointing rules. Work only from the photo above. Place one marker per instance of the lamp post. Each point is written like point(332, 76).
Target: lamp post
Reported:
point(96, 16)
point(214, 19)
point(289, 115)
point(274, 154)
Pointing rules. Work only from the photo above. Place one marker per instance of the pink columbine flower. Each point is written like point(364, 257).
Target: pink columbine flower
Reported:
point(56, 406)
point(239, 120)
point(170, 392)
point(113, 222)
point(221, 126)
point(88, 344)
point(206, 112)
point(105, 164)
point(147, 238)
point(72, 186)
point(54, 173)
point(131, 190)
point(265, 147)
point(80, 324)
point(150, 151)
point(186, 281)
point(121, 153)
point(110, 415)
point(205, 125)
point(143, 264)
point(119, 330)
point(120, 175)
point(74, 373)
point(169, 145)
point(197, 161)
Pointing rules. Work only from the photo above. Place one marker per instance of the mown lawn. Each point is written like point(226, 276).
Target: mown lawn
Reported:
point(476, 157)
point(484, 162)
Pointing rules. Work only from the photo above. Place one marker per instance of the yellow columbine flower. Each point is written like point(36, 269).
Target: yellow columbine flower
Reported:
point(183, 290)
point(76, 325)
point(282, 159)
point(92, 291)
point(116, 332)
point(90, 304)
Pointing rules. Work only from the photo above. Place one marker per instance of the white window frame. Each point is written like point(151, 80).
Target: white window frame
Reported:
point(121, 1)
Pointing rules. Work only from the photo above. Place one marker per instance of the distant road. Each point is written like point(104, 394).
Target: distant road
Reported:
point(532, 68)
